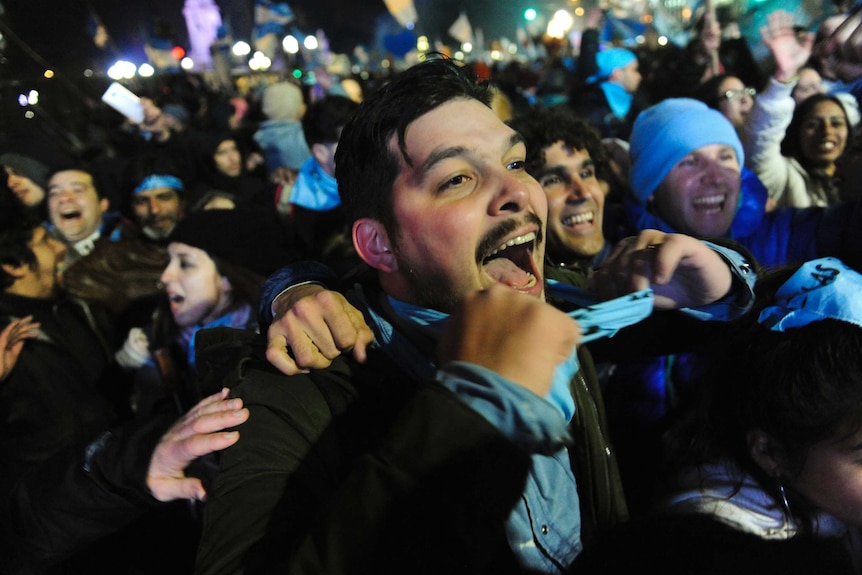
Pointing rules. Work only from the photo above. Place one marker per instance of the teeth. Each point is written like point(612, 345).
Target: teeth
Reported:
point(515, 242)
point(586, 217)
point(709, 200)
point(530, 282)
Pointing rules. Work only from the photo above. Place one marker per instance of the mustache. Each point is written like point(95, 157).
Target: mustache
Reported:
point(495, 236)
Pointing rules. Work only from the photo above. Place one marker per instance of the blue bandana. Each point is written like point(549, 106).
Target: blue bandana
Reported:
point(820, 289)
point(159, 181)
point(596, 319)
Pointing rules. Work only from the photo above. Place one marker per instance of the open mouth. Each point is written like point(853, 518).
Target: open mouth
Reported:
point(710, 204)
point(511, 264)
point(71, 215)
point(175, 301)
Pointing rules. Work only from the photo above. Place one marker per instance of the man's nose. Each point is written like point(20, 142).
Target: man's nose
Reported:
point(513, 195)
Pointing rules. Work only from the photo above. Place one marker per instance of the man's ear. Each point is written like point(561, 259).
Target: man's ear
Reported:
point(372, 245)
point(15, 271)
point(104, 204)
point(764, 451)
point(321, 153)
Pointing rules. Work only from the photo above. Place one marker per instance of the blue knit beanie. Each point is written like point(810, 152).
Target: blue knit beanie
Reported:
point(609, 60)
point(665, 133)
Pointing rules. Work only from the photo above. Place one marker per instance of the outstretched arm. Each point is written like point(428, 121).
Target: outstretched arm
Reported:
point(681, 270)
point(199, 432)
point(312, 327)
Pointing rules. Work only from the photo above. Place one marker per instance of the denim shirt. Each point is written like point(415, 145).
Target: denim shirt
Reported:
point(544, 528)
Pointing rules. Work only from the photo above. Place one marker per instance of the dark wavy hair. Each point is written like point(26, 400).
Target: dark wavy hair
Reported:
point(543, 127)
point(365, 165)
point(801, 386)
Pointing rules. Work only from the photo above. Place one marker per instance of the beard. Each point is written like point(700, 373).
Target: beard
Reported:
point(434, 290)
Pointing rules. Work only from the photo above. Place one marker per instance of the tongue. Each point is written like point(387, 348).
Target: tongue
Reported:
point(505, 272)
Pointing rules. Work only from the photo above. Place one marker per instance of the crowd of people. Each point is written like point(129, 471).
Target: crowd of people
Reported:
point(588, 315)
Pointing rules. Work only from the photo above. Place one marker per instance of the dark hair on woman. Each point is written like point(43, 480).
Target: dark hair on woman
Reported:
point(365, 166)
point(707, 92)
point(801, 387)
point(791, 146)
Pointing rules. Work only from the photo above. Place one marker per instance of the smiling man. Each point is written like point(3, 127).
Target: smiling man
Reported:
point(76, 211)
point(686, 177)
point(448, 449)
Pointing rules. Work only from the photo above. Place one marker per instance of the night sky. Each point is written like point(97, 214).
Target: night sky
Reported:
point(56, 30)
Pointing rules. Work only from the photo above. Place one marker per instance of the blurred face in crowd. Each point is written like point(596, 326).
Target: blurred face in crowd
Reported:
point(629, 76)
point(823, 134)
point(227, 158)
point(735, 101)
point(157, 210)
point(468, 214)
point(74, 207)
point(26, 190)
point(575, 202)
point(831, 477)
point(38, 279)
point(809, 83)
point(197, 293)
point(699, 195)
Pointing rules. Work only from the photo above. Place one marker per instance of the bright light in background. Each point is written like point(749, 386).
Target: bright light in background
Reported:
point(422, 44)
point(662, 40)
point(467, 47)
point(290, 44)
point(496, 55)
point(49, 74)
point(259, 61)
point(187, 63)
point(122, 69)
point(560, 24)
point(241, 49)
point(29, 99)
point(579, 11)
point(146, 70)
point(458, 55)
point(530, 14)
point(310, 43)
point(22, 100)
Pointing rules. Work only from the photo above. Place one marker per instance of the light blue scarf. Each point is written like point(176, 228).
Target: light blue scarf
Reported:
point(314, 188)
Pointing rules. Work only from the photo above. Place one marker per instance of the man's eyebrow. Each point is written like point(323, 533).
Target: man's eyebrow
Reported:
point(439, 155)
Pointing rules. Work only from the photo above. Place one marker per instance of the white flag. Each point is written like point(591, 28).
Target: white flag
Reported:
point(461, 29)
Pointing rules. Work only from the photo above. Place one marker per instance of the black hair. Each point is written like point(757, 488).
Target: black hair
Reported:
point(16, 233)
point(707, 92)
point(365, 165)
point(543, 127)
point(324, 119)
point(801, 386)
point(791, 145)
point(144, 165)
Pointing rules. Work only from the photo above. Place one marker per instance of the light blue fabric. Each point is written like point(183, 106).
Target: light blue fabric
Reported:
point(283, 144)
point(559, 396)
point(609, 60)
point(159, 181)
point(666, 132)
point(820, 289)
point(239, 318)
point(550, 497)
point(619, 100)
point(314, 188)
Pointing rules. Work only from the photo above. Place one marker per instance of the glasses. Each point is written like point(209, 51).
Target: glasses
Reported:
point(733, 95)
